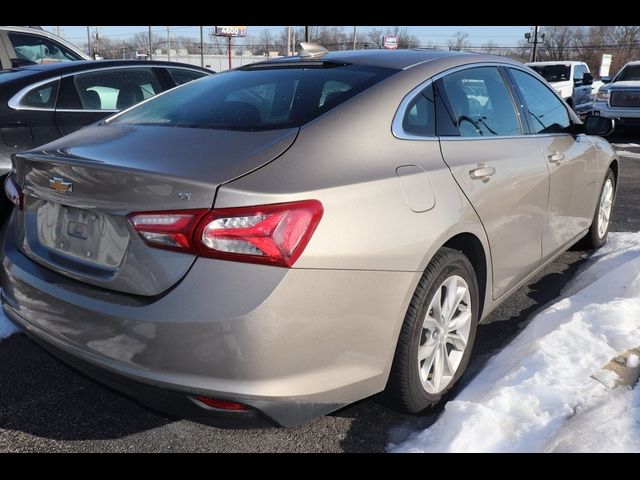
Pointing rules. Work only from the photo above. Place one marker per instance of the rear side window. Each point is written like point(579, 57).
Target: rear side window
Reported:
point(419, 117)
point(182, 75)
point(43, 96)
point(114, 89)
point(38, 49)
point(258, 99)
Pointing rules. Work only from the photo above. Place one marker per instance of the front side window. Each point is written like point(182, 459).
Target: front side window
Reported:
point(262, 98)
point(183, 75)
point(479, 103)
point(114, 89)
point(547, 113)
point(37, 49)
point(578, 72)
point(43, 96)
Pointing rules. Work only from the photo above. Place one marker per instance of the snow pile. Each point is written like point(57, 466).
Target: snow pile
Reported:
point(6, 327)
point(547, 391)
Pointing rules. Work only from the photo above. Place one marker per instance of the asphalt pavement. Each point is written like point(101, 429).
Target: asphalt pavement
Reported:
point(47, 406)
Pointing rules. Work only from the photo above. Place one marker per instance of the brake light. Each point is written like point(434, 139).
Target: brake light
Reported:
point(274, 234)
point(13, 191)
point(171, 230)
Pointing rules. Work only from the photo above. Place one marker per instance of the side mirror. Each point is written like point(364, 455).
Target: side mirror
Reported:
point(601, 126)
point(587, 79)
point(605, 79)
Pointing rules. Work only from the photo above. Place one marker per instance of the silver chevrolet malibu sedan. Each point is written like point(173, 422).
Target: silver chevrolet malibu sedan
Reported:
point(283, 239)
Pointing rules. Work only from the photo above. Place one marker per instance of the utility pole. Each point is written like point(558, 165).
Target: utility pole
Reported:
point(150, 46)
point(288, 41)
point(534, 50)
point(306, 34)
point(354, 37)
point(293, 42)
point(97, 49)
point(201, 46)
point(88, 40)
point(168, 45)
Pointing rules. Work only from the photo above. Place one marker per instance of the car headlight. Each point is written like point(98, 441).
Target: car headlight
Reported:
point(602, 96)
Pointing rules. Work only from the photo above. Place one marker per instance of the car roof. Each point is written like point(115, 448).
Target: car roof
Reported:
point(76, 66)
point(401, 59)
point(557, 62)
point(44, 71)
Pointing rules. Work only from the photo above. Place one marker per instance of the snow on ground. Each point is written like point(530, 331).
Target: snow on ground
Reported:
point(540, 393)
point(6, 327)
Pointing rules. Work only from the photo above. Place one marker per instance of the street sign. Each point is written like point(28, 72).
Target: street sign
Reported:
point(605, 65)
point(231, 31)
point(390, 41)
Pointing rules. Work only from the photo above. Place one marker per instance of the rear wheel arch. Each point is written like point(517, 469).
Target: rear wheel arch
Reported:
point(613, 166)
point(471, 247)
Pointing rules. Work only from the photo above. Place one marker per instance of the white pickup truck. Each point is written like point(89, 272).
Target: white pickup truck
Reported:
point(620, 97)
point(572, 80)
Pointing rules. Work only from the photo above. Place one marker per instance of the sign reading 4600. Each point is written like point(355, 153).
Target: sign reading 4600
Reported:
point(231, 31)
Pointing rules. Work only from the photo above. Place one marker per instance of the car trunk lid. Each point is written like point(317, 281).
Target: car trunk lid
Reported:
point(79, 189)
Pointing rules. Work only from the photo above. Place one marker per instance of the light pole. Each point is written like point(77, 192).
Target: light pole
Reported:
point(88, 40)
point(535, 41)
point(150, 46)
point(168, 45)
point(201, 47)
point(354, 37)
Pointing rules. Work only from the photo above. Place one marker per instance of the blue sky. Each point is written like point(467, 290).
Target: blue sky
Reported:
point(502, 35)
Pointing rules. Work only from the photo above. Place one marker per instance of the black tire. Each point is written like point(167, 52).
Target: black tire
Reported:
point(404, 390)
point(593, 240)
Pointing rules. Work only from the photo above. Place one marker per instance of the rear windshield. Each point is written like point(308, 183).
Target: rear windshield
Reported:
point(257, 99)
point(553, 73)
point(630, 72)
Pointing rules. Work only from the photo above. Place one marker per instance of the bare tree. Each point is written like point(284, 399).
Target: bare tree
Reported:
point(490, 47)
point(559, 43)
point(459, 42)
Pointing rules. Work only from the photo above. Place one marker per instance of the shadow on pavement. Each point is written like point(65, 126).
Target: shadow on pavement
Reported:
point(44, 397)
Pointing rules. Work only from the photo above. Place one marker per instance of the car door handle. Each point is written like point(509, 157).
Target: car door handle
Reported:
point(556, 157)
point(482, 173)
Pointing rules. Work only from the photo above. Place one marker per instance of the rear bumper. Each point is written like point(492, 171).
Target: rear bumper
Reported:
point(292, 344)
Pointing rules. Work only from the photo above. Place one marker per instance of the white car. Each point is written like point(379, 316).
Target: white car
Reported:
point(572, 80)
point(26, 45)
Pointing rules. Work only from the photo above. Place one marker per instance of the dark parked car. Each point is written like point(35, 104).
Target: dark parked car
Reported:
point(40, 103)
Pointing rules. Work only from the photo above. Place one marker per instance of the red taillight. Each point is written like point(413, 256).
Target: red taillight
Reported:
point(172, 230)
point(13, 191)
point(271, 234)
point(221, 404)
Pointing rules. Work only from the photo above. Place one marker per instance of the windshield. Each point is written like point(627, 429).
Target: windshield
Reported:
point(259, 98)
point(630, 72)
point(553, 73)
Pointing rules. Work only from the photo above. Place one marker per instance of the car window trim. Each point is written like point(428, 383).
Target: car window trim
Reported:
point(396, 125)
point(15, 102)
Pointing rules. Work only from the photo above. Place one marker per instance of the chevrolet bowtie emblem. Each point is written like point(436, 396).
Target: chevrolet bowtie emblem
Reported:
point(59, 185)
